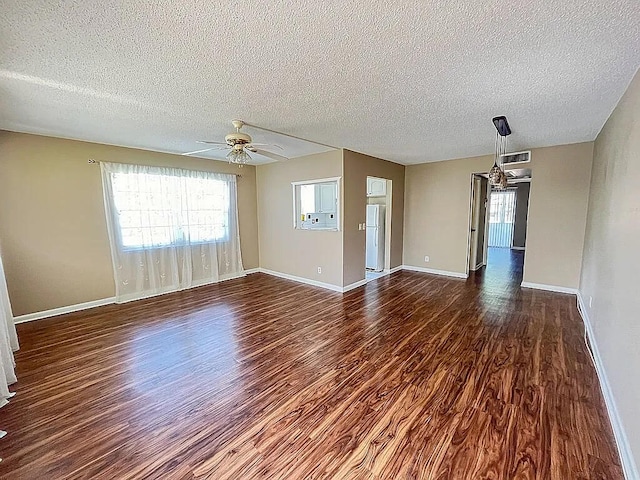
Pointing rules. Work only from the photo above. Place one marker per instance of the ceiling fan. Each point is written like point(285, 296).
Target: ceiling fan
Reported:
point(239, 143)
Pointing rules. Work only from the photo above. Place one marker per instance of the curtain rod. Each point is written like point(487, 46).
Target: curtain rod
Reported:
point(93, 161)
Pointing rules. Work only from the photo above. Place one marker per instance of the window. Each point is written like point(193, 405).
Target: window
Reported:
point(501, 218)
point(502, 208)
point(316, 204)
point(155, 210)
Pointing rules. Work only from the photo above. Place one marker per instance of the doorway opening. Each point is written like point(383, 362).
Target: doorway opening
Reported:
point(498, 227)
point(378, 227)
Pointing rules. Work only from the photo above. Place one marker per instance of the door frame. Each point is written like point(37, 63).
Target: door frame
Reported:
point(387, 225)
point(472, 192)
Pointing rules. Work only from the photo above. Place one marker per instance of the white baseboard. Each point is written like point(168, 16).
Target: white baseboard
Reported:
point(394, 269)
point(354, 285)
point(434, 271)
point(62, 310)
point(549, 288)
point(624, 449)
point(307, 281)
point(478, 267)
point(517, 248)
point(54, 312)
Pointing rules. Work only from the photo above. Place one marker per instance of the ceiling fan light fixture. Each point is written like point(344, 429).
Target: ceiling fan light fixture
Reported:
point(239, 143)
point(237, 138)
point(239, 157)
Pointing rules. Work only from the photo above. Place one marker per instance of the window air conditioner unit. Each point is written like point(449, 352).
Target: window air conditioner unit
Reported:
point(516, 157)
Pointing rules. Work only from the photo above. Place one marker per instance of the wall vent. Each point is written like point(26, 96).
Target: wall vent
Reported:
point(516, 157)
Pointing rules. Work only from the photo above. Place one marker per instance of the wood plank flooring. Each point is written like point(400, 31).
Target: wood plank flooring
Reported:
point(412, 376)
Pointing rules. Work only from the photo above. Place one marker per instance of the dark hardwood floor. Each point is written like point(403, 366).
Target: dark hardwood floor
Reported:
point(412, 376)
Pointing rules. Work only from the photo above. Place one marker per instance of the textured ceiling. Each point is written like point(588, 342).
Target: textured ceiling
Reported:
point(406, 81)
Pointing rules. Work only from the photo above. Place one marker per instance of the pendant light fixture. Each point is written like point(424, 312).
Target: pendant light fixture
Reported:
point(497, 177)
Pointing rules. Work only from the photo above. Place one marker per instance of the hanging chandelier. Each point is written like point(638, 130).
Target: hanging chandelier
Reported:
point(497, 177)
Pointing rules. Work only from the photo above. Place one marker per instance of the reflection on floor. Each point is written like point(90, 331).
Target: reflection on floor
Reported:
point(412, 376)
point(503, 270)
point(371, 275)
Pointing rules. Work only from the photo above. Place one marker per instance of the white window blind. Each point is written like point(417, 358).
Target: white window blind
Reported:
point(502, 209)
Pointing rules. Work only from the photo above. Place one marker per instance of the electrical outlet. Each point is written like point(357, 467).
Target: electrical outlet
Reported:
point(319, 269)
point(590, 301)
point(426, 258)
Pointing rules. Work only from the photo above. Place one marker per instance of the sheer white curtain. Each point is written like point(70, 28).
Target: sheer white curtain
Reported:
point(170, 228)
point(8, 341)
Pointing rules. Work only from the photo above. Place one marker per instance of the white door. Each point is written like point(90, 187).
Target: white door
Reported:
point(372, 248)
point(376, 187)
point(328, 197)
point(475, 210)
point(372, 215)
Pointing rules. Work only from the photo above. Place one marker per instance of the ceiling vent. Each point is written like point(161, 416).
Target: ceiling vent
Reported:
point(516, 157)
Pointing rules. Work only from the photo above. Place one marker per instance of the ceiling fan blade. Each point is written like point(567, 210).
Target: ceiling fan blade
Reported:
point(211, 143)
point(266, 145)
point(288, 135)
point(272, 156)
point(198, 151)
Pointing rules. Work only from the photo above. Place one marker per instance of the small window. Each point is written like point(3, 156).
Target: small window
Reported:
point(316, 204)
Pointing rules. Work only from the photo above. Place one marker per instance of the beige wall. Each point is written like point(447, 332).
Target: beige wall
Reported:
point(557, 219)
point(436, 219)
point(522, 211)
point(52, 227)
point(287, 250)
point(612, 257)
point(437, 213)
point(357, 167)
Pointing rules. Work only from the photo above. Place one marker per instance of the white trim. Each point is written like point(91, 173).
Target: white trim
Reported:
point(316, 180)
point(394, 269)
point(54, 312)
point(338, 212)
point(513, 181)
point(433, 271)
point(624, 449)
point(549, 288)
point(478, 267)
point(472, 192)
point(357, 284)
point(307, 281)
point(229, 276)
point(517, 248)
point(62, 310)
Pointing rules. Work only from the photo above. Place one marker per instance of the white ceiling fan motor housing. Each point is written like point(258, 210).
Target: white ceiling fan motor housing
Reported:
point(237, 138)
